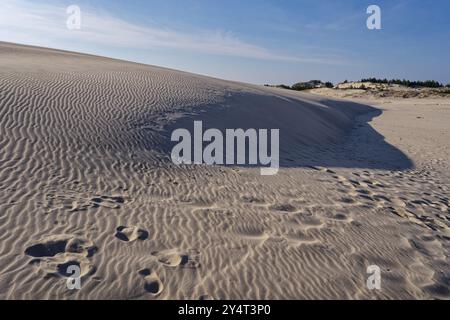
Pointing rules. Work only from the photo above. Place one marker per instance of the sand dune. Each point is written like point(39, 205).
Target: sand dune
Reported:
point(86, 178)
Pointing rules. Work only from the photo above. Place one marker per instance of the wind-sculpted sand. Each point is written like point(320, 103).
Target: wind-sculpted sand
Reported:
point(86, 179)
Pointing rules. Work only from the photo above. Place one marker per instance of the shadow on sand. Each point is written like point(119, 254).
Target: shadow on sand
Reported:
point(361, 147)
point(353, 143)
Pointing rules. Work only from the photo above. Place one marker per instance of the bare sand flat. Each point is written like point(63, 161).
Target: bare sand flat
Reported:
point(86, 179)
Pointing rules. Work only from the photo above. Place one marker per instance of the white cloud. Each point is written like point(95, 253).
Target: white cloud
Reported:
point(28, 22)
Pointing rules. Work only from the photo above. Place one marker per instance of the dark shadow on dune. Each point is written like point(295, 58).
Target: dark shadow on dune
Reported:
point(361, 147)
point(357, 144)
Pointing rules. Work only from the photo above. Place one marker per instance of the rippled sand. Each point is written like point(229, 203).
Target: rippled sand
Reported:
point(86, 179)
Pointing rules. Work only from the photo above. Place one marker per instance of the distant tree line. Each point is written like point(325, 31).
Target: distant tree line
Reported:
point(300, 86)
point(407, 83)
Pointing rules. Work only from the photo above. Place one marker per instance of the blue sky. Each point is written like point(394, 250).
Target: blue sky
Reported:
point(257, 41)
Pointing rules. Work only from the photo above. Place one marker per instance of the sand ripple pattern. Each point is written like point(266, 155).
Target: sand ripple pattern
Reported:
point(83, 181)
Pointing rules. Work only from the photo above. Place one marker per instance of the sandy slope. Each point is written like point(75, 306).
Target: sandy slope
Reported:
point(85, 178)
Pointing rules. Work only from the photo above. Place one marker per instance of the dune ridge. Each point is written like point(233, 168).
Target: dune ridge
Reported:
point(84, 161)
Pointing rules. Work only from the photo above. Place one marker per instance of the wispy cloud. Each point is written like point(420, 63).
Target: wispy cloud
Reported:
point(30, 22)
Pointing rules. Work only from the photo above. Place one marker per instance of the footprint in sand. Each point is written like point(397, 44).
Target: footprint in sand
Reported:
point(347, 200)
point(253, 200)
point(55, 254)
point(398, 203)
point(340, 217)
point(283, 207)
point(130, 234)
point(108, 202)
point(309, 220)
point(170, 258)
point(173, 258)
point(152, 282)
point(299, 238)
point(322, 169)
point(214, 212)
point(74, 202)
point(252, 232)
point(381, 198)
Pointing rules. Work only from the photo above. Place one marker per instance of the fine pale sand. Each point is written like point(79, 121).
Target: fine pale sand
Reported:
point(86, 179)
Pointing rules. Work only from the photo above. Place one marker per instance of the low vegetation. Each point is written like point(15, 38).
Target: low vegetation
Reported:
point(300, 86)
point(406, 83)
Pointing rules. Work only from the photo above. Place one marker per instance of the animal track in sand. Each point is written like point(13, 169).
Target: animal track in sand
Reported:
point(152, 282)
point(130, 234)
point(54, 254)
